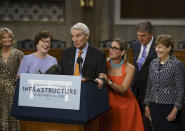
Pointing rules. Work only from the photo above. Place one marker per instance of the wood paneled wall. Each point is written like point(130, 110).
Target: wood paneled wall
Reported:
point(180, 54)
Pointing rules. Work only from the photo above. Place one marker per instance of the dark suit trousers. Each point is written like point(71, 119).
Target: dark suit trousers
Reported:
point(159, 113)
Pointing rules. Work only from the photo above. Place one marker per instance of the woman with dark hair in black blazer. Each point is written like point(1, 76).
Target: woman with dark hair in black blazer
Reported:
point(165, 89)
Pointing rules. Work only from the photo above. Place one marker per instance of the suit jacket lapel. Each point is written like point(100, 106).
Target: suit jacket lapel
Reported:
point(151, 51)
point(138, 48)
point(150, 54)
point(72, 61)
point(88, 54)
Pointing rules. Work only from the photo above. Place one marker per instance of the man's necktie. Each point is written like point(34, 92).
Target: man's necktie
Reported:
point(77, 70)
point(142, 59)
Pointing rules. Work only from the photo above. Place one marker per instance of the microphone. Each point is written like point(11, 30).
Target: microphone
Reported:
point(80, 61)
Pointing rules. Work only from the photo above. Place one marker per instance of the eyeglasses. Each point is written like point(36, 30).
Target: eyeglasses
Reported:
point(113, 48)
point(45, 41)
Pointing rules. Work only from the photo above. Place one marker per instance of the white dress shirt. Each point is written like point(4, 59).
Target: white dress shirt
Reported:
point(147, 49)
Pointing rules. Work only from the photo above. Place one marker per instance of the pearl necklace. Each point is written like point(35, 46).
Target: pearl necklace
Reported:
point(117, 65)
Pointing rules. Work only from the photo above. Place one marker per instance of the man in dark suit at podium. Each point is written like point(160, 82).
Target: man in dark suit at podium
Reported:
point(143, 53)
point(83, 59)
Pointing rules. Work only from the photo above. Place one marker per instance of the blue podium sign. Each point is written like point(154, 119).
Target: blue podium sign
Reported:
point(93, 102)
point(49, 91)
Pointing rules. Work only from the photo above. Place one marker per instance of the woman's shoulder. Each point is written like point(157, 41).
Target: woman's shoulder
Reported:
point(51, 57)
point(177, 63)
point(129, 67)
point(174, 60)
point(16, 51)
point(29, 57)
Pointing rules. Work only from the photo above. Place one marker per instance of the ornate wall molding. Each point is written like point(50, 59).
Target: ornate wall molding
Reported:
point(27, 11)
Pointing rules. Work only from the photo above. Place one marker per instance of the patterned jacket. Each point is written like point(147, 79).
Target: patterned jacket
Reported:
point(166, 85)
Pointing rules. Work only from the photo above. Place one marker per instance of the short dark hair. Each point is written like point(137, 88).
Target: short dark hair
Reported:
point(41, 35)
point(165, 40)
point(144, 25)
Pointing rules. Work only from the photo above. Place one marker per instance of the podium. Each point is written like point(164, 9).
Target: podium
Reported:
point(93, 102)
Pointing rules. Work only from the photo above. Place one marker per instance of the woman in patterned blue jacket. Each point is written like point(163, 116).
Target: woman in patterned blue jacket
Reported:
point(165, 89)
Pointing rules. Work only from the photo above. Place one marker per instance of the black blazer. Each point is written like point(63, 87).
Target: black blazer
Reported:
point(141, 77)
point(94, 63)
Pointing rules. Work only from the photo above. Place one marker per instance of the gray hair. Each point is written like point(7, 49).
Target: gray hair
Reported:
point(144, 25)
point(82, 27)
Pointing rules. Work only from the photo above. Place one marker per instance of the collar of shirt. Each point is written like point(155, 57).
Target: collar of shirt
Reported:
point(83, 55)
point(147, 48)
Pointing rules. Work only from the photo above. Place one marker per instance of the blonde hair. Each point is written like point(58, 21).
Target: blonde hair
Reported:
point(5, 30)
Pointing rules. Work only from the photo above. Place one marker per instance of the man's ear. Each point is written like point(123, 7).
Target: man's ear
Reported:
point(152, 33)
point(87, 36)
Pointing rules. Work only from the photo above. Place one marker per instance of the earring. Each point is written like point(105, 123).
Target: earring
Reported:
point(123, 54)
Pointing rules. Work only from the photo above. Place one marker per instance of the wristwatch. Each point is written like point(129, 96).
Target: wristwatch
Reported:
point(109, 82)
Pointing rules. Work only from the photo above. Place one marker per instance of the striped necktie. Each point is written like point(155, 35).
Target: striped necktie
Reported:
point(77, 70)
point(142, 59)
